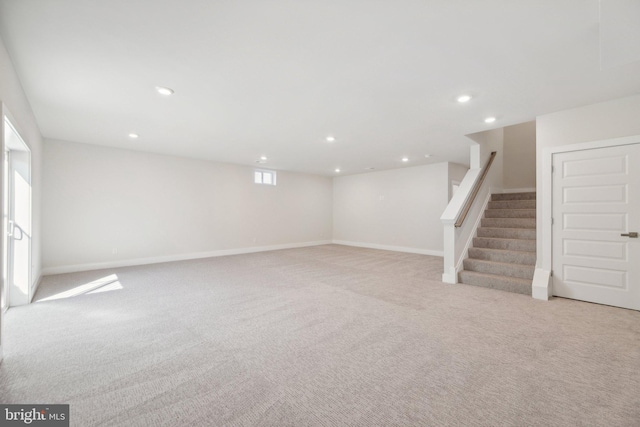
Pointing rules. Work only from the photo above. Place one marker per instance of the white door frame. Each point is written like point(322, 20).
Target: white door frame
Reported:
point(4, 112)
point(544, 267)
point(22, 149)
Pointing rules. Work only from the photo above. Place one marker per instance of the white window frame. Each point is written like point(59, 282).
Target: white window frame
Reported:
point(260, 174)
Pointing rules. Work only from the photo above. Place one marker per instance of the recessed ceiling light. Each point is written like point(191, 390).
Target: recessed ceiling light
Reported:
point(330, 138)
point(369, 169)
point(133, 135)
point(490, 120)
point(427, 155)
point(263, 157)
point(463, 98)
point(164, 90)
point(405, 159)
point(337, 170)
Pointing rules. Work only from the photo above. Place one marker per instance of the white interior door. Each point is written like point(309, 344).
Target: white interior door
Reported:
point(17, 217)
point(596, 210)
point(4, 304)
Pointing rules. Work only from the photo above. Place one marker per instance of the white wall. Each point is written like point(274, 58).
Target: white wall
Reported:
point(16, 104)
point(515, 163)
point(151, 207)
point(519, 161)
point(393, 209)
point(456, 174)
point(606, 120)
point(488, 142)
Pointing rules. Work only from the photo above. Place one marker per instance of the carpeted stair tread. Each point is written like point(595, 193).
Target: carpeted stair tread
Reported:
point(509, 222)
point(510, 213)
point(506, 244)
point(512, 204)
point(499, 268)
point(513, 196)
point(507, 233)
point(501, 255)
point(492, 281)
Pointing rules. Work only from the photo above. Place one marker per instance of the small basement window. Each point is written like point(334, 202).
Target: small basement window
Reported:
point(264, 177)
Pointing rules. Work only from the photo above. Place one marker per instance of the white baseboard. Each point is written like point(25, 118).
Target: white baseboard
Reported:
point(34, 286)
point(178, 257)
point(448, 278)
point(390, 248)
point(541, 287)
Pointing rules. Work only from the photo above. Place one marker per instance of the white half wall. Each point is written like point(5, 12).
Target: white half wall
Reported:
point(110, 207)
point(395, 209)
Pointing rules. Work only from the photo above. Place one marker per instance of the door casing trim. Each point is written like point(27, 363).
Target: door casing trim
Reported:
point(542, 281)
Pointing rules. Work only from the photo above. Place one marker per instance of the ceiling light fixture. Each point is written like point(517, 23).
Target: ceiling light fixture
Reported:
point(164, 90)
point(427, 155)
point(463, 98)
point(490, 120)
point(264, 158)
point(133, 135)
point(330, 138)
point(405, 159)
point(337, 170)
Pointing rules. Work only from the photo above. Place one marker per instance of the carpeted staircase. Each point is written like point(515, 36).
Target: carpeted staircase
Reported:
point(503, 255)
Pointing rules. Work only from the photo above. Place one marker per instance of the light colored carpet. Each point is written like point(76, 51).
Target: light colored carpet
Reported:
point(320, 336)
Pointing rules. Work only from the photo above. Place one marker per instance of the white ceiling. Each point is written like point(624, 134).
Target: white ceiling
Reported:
point(274, 78)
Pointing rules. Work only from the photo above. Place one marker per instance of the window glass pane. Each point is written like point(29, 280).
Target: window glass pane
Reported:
point(267, 178)
point(257, 178)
